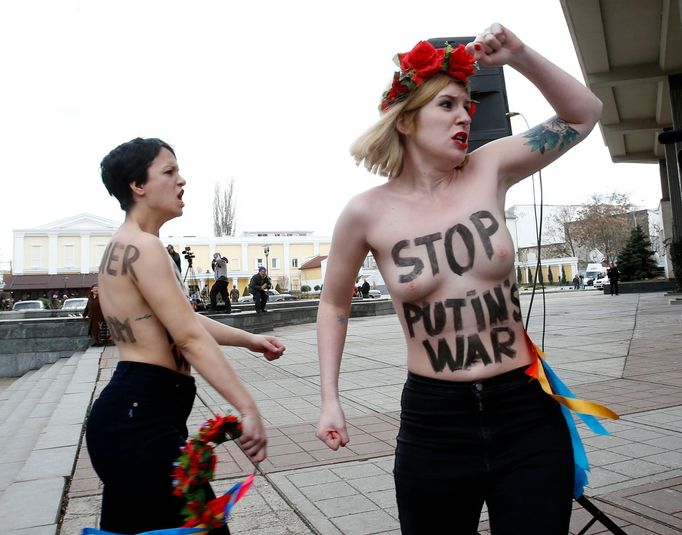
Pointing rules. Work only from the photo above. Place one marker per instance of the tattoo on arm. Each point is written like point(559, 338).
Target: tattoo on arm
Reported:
point(145, 317)
point(341, 318)
point(550, 135)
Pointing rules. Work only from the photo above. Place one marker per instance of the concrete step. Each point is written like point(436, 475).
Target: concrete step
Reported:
point(13, 394)
point(25, 402)
point(45, 448)
point(21, 428)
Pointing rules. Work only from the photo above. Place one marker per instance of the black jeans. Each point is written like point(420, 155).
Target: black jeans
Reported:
point(614, 286)
point(501, 441)
point(260, 299)
point(220, 287)
point(134, 434)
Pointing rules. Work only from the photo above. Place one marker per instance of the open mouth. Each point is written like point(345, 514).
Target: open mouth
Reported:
point(460, 139)
point(182, 192)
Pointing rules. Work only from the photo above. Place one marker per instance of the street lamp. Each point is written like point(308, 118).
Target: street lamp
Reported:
point(266, 252)
point(66, 280)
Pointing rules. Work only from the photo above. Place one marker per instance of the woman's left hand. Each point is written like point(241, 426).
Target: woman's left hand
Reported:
point(271, 348)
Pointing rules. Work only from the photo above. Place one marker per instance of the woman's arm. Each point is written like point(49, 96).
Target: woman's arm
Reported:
point(155, 280)
point(577, 108)
point(348, 250)
point(225, 335)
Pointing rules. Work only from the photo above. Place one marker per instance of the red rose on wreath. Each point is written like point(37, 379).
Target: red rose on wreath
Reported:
point(422, 62)
point(460, 64)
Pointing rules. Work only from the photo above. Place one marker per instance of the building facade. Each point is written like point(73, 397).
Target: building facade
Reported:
point(59, 255)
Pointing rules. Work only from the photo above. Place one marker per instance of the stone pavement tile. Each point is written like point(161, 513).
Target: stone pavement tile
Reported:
point(573, 373)
point(50, 529)
point(367, 523)
point(660, 502)
point(81, 513)
point(17, 506)
point(626, 396)
point(49, 463)
point(296, 446)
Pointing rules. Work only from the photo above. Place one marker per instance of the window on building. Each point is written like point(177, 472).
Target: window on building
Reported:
point(69, 256)
point(274, 263)
point(294, 263)
point(36, 256)
point(235, 263)
point(259, 262)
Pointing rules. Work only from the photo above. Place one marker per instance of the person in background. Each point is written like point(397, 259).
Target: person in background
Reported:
point(259, 286)
point(364, 288)
point(175, 256)
point(97, 327)
point(234, 294)
point(138, 423)
point(614, 276)
point(219, 266)
point(475, 428)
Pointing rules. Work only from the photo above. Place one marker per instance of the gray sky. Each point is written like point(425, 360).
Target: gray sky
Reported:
point(271, 93)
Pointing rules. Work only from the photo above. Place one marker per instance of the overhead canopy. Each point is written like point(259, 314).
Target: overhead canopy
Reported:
point(50, 282)
point(627, 49)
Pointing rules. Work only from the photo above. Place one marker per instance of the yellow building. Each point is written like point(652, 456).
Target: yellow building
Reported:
point(67, 254)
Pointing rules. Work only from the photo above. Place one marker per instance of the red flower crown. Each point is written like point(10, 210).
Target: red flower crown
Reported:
point(421, 63)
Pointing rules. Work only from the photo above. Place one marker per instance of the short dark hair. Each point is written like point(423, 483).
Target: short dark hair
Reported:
point(127, 164)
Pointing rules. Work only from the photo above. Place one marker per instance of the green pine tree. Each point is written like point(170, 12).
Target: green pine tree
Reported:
point(636, 259)
point(563, 275)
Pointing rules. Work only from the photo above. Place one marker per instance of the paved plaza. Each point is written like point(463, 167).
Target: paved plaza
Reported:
point(624, 352)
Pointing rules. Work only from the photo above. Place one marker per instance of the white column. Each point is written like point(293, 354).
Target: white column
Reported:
point(18, 254)
point(85, 252)
point(52, 254)
point(287, 263)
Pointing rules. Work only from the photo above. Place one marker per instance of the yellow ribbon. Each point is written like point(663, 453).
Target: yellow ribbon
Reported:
point(575, 404)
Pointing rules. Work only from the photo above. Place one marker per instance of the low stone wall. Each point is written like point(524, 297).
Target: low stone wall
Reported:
point(295, 313)
point(640, 287)
point(28, 344)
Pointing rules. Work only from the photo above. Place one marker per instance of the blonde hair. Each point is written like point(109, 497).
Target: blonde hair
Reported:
point(381, 148)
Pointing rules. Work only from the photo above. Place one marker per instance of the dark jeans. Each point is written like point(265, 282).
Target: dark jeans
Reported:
point(260, 299)
point(134, 434)
point(501, 441)
point(614, 286)
point(220, 287)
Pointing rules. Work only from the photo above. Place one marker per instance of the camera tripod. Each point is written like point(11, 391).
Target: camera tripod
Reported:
point(192, 283)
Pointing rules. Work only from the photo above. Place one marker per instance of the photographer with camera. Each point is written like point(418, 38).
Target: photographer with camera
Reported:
point(175, 256)
point(219, 267)
point(258, 286)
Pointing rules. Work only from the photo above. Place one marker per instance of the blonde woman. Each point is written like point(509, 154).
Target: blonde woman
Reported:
point(474, 427)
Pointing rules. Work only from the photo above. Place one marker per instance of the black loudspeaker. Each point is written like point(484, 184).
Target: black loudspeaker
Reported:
point(487, 87)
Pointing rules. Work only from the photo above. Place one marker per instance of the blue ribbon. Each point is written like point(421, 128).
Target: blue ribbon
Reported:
point(582, 466)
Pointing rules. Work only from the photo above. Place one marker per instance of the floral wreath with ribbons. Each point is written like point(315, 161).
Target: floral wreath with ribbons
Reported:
point(423, 62)
point(196, 466)
point(192, 470)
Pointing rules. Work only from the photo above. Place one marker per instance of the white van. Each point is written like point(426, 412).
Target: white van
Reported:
point(593, 272)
